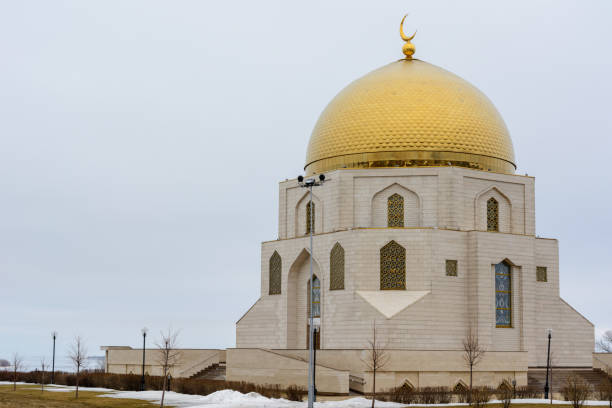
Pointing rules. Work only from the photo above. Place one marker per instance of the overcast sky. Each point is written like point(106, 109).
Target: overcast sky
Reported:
point(141, 143)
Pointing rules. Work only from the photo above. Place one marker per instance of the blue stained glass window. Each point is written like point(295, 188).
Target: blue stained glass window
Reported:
point(503, 295)
point(503, 317)
point(316, 298)
point(502, 300)
point(502, 282)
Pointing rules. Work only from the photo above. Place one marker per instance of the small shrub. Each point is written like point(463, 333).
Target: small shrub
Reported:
point(462, 396)
point(402, 395)
point(528, 393)
point(576, 390)
point(433, 395)
point(444, 395)
point(131, 382)
point(295, 393)
point(479, 396)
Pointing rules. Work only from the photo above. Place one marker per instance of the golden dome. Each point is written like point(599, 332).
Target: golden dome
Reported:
point(410, 113)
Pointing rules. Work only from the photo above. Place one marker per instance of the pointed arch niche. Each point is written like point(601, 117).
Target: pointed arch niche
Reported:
point(301, 215)
point(489, 202)
point(297, 299)
point(393, 198)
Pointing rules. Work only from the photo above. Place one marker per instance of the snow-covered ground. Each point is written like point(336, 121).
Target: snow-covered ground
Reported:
point(235, 399)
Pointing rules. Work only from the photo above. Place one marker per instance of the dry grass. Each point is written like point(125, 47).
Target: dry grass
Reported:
point(29, 396)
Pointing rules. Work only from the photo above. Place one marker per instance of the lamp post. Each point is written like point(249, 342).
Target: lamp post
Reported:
point(144, 340)
point(314, 364)
point(54, 335)
point(547, 365)
point(309, 184)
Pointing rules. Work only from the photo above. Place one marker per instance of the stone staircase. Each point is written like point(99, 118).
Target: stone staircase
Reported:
point(536, 377)
point(213, 372)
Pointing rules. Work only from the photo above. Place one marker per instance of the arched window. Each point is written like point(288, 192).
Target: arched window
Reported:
point(503, 295)
point(492, 215)
point(316, 297)
point(392, 266)
point(275, 274)
point(395, 211)
point(310, 217)
point(336, 267)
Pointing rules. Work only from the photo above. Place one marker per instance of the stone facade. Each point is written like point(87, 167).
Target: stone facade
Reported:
point(445, 218)
point(126, 360)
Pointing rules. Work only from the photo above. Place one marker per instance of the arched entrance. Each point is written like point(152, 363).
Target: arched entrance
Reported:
point(298, 300)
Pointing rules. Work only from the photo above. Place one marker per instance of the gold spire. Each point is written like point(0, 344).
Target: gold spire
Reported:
point(408, 48)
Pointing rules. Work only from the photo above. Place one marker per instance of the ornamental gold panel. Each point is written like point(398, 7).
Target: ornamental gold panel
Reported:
point(336, 267)
point(276, 269)
point(392, 266)
point(451, 267)
point(395, 211)
point(310, 217)
point(541, 274)
point(492, 215)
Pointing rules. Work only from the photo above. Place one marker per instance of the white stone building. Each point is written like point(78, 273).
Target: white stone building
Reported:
point(421, 229)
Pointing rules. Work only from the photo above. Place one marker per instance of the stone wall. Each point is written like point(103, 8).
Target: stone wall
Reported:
point(126, 360)
point(336, 368)
point(271, 368)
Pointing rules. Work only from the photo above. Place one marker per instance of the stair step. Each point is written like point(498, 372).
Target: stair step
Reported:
point(213, 372)
point(536, 378)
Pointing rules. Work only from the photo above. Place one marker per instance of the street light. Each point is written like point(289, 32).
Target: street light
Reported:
point(547, 365)
point(317, 332)
point(54, 335)
point(144, 331)
point(309, 184)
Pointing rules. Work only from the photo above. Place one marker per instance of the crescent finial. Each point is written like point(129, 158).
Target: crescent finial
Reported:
point(408, 48)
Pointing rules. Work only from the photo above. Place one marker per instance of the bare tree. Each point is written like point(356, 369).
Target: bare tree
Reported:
point(376, 359)
point(505, 393)
point(78, 356)
point(43, 368)
point(168, 357)
point(576, 390)
point(472, 352)
point(17, 363)
point(605, 342)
